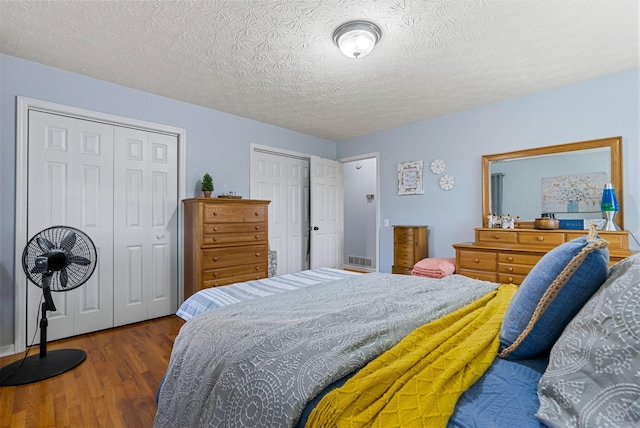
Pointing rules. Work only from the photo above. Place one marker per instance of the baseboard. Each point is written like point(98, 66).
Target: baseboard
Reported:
point(7, 350)
point(355, 268)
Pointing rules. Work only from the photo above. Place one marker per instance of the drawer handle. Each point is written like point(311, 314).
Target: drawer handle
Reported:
point(510, 269)
point(477, 260)
point(510, 279)
point(215, 259)
point(215, 213)
point(540, 238)
point(257, 267)
point(257, 227)
point(496, 237)
point(257, 254)
point(215, 229)
point(215, 274)
point(510, 259)
point(215, 239)
point(257, 213)
point(257, 237)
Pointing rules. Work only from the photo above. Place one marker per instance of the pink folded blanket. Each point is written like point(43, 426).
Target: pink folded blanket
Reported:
point(434, 268)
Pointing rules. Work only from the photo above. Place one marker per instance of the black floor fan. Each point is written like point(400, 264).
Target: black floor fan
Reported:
point(59, 259)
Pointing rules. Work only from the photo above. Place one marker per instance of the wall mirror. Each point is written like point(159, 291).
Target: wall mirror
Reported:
point(566, 179)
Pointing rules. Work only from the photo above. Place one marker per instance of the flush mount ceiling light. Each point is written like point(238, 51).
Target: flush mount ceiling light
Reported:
point(357, 38)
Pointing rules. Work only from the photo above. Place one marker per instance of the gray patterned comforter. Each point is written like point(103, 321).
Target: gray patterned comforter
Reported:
point(257, 363)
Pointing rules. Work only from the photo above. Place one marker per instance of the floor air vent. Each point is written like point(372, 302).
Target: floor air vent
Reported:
point(361, 261)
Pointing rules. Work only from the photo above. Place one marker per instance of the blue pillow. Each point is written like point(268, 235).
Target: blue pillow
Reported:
point(587, 263)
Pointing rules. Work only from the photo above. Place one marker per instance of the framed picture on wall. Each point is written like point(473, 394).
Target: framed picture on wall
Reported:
point(410, 178)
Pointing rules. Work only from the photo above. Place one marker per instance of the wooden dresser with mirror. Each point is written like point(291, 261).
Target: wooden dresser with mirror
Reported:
point(508, 255)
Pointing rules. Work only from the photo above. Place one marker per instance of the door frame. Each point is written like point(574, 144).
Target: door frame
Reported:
point(375, 155)
point(23, 105)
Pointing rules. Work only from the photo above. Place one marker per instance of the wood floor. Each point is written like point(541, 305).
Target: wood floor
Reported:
point(114, 387)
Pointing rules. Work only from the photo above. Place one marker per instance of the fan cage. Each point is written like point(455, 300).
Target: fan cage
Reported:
point(77, 274)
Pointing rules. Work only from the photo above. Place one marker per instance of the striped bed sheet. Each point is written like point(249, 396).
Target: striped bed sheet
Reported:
point(216, 297)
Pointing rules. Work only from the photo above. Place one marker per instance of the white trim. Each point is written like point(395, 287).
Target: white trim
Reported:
point(364, 156)
point(23, 106)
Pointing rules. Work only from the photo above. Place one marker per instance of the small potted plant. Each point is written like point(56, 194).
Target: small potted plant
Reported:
point(207, 185)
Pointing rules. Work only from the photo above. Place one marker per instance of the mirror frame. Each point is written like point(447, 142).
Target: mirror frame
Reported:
point(614, 144)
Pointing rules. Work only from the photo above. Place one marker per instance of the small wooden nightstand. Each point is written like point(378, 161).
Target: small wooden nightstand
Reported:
point(410, 245)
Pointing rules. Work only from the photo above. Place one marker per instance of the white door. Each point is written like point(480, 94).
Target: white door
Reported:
point(70, 182)
point(145, 225)
point(326, 213)
point(119, 186)
point(284, 180)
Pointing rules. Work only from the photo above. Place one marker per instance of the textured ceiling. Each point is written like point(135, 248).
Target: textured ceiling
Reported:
point(275, 61)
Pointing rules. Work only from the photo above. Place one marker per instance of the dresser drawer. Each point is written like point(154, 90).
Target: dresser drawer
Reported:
point(504, 236)
point(477, 260)
point(401, 270)
point(233, 238)
point(511, 269)
point(223, 257)
point(403, 237)
point(211, 228)
point(476, 274)
point(504, 278)
point(235, 213)
point(519, 259)
point(537, 238)
point(217, 277)
point(616, 241)
point(404, 256)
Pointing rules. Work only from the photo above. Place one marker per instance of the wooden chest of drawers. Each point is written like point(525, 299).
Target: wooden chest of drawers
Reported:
point(410, 245)
point(507, 256)
point(226, 241)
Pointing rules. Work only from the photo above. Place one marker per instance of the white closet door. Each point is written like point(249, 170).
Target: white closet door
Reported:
point(326, 213)
point(284, 181)
point(70, 182)
point(145, 218)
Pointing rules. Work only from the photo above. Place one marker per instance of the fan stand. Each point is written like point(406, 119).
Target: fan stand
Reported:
point(46, 365)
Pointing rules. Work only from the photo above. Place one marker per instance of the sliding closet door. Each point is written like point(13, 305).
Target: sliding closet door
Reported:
point(145, 215)
point(70, 182)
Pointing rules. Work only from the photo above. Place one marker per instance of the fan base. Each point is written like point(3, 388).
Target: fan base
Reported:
point(35, 368)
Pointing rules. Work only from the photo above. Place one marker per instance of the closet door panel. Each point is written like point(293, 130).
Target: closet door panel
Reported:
point(70, 183)
point(145, 201)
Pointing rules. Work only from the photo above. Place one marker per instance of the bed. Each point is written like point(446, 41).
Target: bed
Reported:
point(333, 348)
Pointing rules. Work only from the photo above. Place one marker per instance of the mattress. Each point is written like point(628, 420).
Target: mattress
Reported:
point(216, 297)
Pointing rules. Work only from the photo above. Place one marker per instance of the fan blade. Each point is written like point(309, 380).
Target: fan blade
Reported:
point(44, 244)
point(64, 277)
point(68, 242)
point(78, 260)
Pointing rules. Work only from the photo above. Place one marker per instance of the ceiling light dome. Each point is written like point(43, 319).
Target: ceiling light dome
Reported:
point(357, 38)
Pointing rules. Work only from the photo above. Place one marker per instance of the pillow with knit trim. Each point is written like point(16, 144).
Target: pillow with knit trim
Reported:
point(551, 295)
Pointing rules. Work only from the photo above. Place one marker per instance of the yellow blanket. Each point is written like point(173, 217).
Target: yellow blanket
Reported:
point(417, 382)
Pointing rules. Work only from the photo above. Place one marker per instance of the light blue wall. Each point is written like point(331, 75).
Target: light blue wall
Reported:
point(216, 142)
point(604, 107)
point(219, 143)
